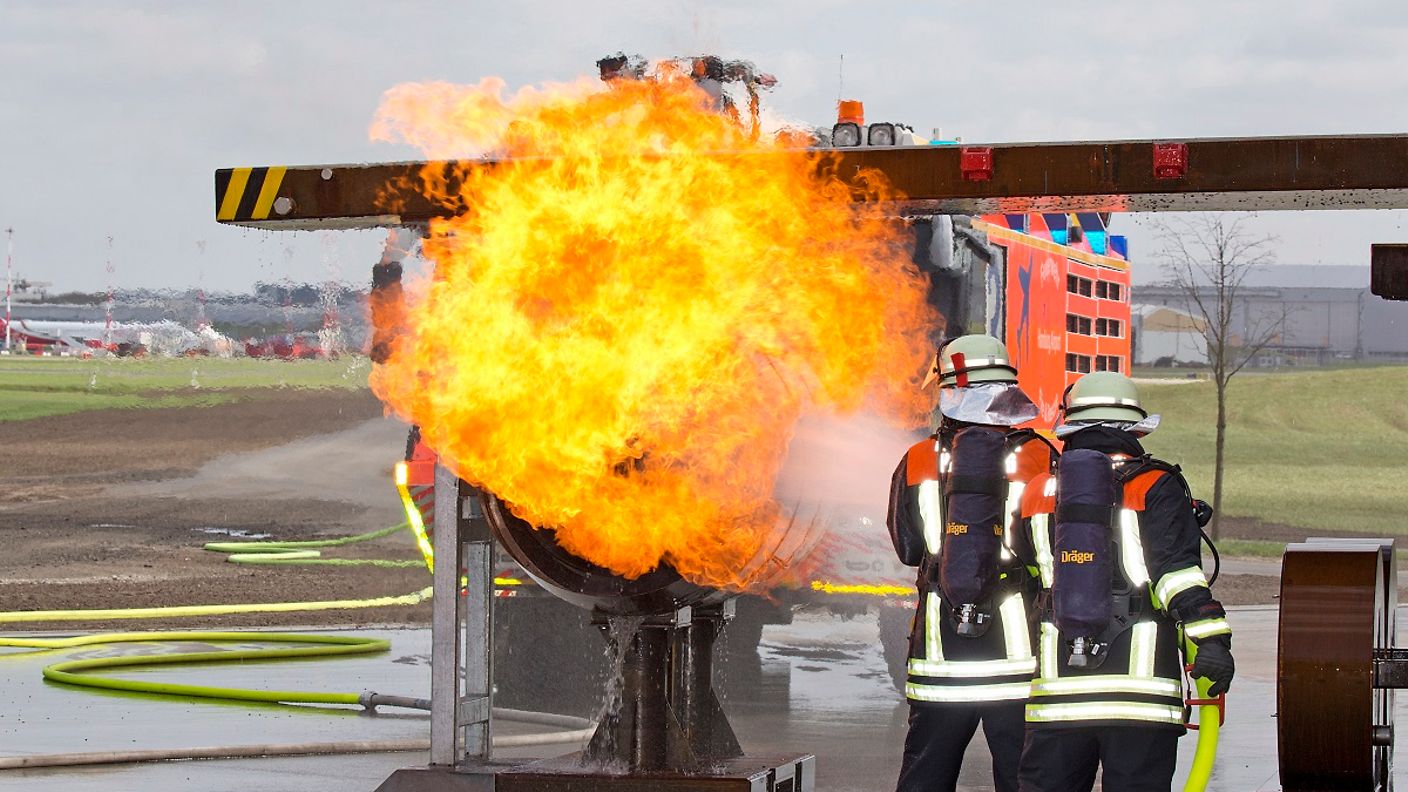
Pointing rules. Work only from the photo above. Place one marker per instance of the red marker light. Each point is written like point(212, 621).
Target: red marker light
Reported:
point(1170, 160)
point(975, 162)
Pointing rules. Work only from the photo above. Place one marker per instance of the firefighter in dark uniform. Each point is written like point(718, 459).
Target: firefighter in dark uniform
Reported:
point(953, 500)
point(1115, 538)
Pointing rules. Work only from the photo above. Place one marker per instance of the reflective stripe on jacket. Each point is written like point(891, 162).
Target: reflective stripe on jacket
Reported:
point(1140, 680)
point(944, 667)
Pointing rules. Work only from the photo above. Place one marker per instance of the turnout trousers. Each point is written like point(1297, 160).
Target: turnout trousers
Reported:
point(940, 733)
point(1133, 758)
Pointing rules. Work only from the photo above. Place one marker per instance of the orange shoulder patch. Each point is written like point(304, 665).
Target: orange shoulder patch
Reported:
point(1137, 488)
point(1034, 498)
point(921, 463)
point(1033, 459)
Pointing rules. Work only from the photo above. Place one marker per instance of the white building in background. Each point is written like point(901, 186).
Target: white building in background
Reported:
point(1329, 315)
point(1166, 336)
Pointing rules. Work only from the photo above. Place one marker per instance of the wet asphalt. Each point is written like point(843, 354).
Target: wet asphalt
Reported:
point(819, 686)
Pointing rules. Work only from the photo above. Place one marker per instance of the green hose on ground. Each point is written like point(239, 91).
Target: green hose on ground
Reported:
point(72, 672)
point(75, 672)
point(303, 552)
point(186, 611)
point(80, 672)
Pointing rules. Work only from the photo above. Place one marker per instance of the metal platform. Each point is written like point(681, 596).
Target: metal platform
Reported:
point(743, 774)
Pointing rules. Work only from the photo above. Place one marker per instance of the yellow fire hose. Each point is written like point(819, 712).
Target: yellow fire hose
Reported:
point(77, 672)
point(186, 611)
point(1208, 726)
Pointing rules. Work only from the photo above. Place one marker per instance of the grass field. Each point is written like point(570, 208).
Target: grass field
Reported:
point(31, 387)
point(1322, 450)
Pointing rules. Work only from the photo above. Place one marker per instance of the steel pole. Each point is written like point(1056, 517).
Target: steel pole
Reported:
point(9, 279)
point(445, 622)
point(107, 323)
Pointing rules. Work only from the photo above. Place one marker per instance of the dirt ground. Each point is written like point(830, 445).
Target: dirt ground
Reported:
point(109, 509)
point(95, 511)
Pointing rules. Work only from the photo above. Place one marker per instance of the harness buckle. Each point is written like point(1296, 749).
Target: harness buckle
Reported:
point(971, 621)
point(1087, 653)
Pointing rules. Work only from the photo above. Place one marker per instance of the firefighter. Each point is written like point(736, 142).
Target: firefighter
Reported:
point(1115, 537)
point(952, 500)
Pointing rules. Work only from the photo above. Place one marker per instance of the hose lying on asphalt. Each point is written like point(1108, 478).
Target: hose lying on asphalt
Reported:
point(75, 672)
point(290, 749)
point(578, 730)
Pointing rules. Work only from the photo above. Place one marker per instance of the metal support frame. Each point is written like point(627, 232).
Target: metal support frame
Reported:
point(1391, 668)
point(461, 628)
point(670, 717)
point(1312, 172)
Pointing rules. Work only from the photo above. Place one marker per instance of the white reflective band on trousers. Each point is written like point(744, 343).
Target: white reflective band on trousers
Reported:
point(1077, 686)
point(1004, 691)
point(968, 669)
point(1105, 711)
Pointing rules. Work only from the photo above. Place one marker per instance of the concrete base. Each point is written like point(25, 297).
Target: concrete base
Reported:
point(438, 778)
point(745, 774)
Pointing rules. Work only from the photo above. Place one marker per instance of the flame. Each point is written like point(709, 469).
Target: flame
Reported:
point(626, 324)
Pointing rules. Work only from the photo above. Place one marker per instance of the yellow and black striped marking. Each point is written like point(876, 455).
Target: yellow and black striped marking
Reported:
point(246, 193)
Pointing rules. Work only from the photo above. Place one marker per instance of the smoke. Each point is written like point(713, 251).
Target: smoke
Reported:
point(841, 465)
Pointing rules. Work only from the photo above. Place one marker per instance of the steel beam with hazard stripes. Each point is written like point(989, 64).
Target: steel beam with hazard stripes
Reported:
point(1323, 172)
point(245, 194)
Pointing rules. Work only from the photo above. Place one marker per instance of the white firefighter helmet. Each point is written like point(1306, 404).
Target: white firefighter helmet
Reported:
point(1105, 397)
point(978, 384)
point(971, 359)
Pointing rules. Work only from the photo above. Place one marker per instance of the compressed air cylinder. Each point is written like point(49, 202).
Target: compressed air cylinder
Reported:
point(973, 523)
point(1085, 503)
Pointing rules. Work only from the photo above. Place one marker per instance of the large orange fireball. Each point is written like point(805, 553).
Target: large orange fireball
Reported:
point(627, 323)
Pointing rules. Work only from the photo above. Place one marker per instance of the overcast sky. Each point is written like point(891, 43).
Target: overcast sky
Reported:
point(114, 115)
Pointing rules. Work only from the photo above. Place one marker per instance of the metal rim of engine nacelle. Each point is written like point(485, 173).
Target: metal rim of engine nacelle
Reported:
point(1337, 606)
point(584, 584)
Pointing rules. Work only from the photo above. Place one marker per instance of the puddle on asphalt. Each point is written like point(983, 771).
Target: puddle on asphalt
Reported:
point(803, 653)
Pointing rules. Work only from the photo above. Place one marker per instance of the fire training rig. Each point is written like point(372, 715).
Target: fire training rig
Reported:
point(1337, 663)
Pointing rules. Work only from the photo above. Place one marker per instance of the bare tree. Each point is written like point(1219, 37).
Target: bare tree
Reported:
point(1208, 257)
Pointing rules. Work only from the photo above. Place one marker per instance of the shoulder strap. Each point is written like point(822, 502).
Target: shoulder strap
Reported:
point(1035, 454)
point(1034, 498)
point(1140, 476)
point(921, 462)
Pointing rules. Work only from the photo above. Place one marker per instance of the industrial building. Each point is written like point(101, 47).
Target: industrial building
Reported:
point(1329, 315)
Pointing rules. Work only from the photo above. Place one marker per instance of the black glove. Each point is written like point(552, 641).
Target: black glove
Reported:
point(1214, 662)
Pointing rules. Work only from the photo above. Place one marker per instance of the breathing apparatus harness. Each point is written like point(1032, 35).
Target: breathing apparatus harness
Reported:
point(1127, 604)
point(970, 569)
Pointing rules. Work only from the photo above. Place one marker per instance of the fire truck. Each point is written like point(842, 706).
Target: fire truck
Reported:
point(1054, 286)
